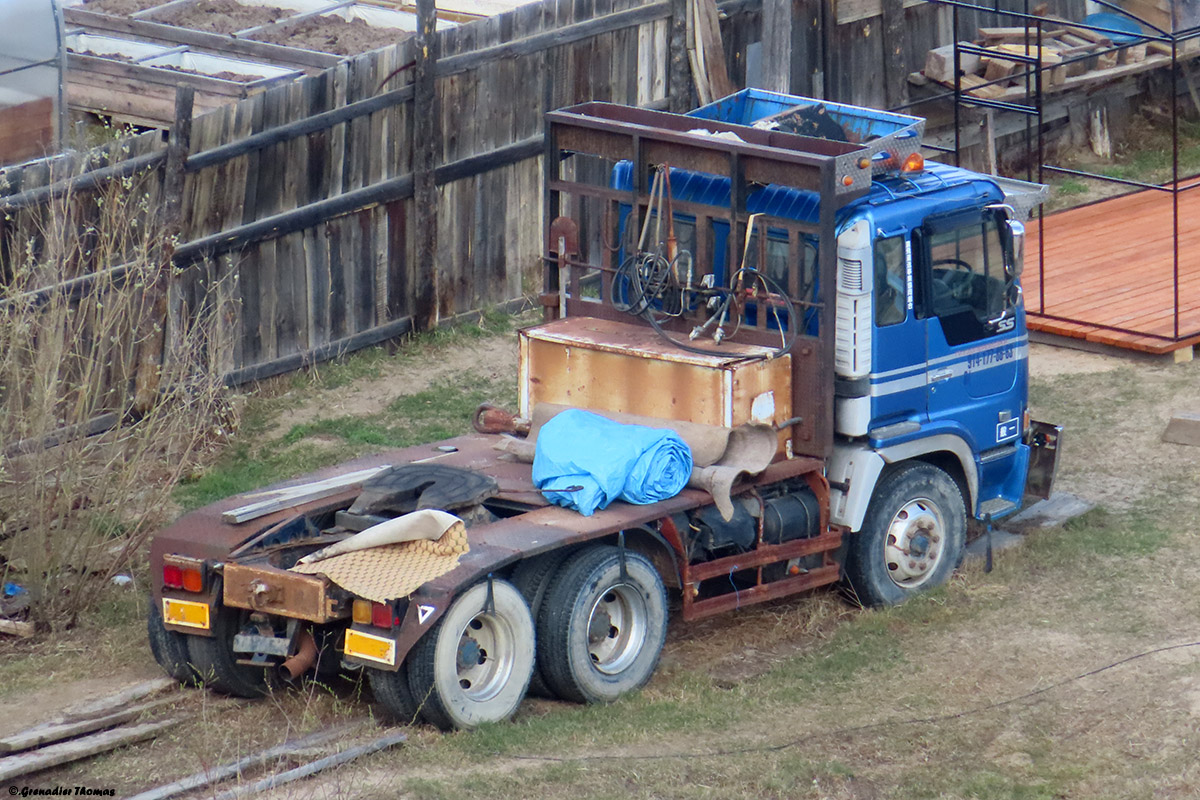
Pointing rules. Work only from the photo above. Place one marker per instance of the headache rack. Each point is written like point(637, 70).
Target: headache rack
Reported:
point(585, 209)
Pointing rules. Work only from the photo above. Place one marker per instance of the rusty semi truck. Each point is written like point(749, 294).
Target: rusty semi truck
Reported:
point(833, 325)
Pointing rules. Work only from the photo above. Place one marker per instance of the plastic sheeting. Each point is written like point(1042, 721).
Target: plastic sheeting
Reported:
point(31, 61)
point(606, 460)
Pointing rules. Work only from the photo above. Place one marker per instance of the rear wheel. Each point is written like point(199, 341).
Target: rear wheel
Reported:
point(216, 663)
point(170, 649)
point(601, 631)
point(912, 537)
point(392, 692)
point(532, 578)
point(475, 664)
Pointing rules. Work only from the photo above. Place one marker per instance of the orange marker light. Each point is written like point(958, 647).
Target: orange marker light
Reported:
point(846, 181)
point(193, 580)
point(914, 163)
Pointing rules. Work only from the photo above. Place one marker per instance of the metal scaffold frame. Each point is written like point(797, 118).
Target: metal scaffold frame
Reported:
point(1032, 71)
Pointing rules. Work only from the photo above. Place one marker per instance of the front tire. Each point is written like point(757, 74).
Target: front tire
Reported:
point(601, 632)
point(912, 537)
point(474, 666)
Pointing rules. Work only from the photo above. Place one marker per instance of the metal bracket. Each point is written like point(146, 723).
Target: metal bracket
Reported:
point(621, 551)
point(987, 518)
point(489, 602)
point(293, 625)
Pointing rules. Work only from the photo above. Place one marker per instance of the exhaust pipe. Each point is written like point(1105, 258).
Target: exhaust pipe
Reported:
point(303, 661)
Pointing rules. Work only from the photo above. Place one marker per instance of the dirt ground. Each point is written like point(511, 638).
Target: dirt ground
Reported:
point(333, 35)
point(931, 700)
point(121, 8)
point(220, 16)
point(327, 34)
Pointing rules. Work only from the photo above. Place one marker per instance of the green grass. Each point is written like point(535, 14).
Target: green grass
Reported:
point(256, 458)
point(1070, 187)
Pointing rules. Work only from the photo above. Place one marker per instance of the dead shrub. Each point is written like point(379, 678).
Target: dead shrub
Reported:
point(97, 425)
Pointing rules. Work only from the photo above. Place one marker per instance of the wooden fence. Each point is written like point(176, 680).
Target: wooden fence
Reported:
point(306, 191)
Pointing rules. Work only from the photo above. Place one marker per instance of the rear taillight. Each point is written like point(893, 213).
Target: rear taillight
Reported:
point(172, 576)
point(382, 616)
point(365, 612)
point(182, 572)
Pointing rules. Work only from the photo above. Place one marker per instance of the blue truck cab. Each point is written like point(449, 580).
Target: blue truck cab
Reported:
point(931, 354)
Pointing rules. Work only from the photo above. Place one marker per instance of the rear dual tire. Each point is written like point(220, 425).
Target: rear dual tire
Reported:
point(215, 662)
point(473, 667)
point(601, 627)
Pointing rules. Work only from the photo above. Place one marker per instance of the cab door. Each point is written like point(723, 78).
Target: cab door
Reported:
point(898, 383)
point(976, 355)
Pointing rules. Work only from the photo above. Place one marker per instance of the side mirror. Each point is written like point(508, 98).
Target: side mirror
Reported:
point(1014, 232)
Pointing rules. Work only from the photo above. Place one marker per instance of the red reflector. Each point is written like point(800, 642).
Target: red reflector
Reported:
point(172, 576)
point(381, 615)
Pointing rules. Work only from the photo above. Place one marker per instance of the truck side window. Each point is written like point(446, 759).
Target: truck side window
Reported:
point(891, 286)
point(967, 278)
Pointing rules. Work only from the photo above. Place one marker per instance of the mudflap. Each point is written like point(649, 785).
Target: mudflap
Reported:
point(1044, 441)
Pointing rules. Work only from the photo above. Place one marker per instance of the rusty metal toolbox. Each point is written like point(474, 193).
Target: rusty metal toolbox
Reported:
point(604, 365)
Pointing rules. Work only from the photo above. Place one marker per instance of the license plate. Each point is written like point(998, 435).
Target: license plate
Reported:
point(185, 612)
point(370, 647)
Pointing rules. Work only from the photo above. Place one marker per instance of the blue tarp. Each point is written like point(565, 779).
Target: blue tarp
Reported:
point(607, 460)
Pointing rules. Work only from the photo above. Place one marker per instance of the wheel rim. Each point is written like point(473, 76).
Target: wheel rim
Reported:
point(484, 657)
point(915, 543)
point(616, 628)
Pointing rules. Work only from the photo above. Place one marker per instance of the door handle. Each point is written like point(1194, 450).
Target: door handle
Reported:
point(940, 375)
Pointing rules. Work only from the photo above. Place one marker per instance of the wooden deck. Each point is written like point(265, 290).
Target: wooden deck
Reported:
point(1111, 264)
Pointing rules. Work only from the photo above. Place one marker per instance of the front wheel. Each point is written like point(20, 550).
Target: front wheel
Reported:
point(912, 537)
point(602, 627)
point(475, 664)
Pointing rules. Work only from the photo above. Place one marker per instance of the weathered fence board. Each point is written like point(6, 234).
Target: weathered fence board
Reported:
point(306, 190)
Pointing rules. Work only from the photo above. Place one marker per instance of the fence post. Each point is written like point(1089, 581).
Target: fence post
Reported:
point(427, 144)
point(152, 328)
point(679, 85)
point(777, 45)
point(895, 67)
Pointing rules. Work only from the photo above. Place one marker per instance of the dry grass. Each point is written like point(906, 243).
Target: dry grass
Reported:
point(814, 698)
point(78, 509)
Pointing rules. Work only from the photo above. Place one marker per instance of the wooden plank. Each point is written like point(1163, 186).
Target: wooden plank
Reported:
point(777, 45)
point(717, 71)
point(58, 731)
point(16, 628)
point(857, 10)
point(282, 778)
point(231, 770)
point(338, 347)
point(268, 299)
point(66, 752)
point(217, 44)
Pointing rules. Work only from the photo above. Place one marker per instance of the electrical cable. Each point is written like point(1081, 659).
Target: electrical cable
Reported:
point(647, 277)
point(852, 729)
